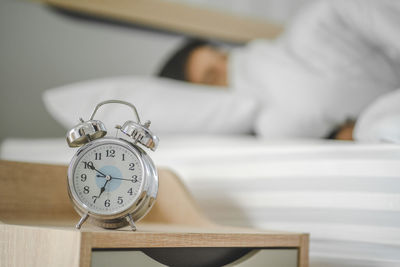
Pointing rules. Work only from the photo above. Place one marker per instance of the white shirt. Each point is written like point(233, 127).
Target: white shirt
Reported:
point(335, 58)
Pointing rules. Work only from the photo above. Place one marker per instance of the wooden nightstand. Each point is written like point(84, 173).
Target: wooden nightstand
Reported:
point(38, 221)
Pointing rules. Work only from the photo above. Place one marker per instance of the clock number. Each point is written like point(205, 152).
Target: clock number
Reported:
point(134, 179)
point(83, 177)
point(86, 190)
point(97, 156)
point(131, 166)
point(107, 203)
point(123, 157)
point(130, 191)
point(88, 164)
point(110, 153)
point(120, 200)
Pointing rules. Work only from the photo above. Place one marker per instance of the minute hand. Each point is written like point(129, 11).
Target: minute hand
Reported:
point(91, 166)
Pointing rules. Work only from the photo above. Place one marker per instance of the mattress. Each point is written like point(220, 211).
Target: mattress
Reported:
point(346, 195)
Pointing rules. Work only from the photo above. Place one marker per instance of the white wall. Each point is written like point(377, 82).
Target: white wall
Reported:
point(40, 49)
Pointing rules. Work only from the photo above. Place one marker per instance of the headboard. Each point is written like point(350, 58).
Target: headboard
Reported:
point(175, 17)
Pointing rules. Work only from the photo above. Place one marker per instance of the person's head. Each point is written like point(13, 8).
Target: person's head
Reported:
point(199, 62)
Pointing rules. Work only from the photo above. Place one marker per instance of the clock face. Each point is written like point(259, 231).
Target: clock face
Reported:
point(107, 178)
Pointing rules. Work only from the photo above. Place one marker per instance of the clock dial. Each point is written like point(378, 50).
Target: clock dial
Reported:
point(107, 178)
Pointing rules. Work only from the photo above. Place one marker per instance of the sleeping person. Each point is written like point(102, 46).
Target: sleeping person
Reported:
point(334, 59)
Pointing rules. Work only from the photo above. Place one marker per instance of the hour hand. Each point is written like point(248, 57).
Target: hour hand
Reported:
point(104, 186)
point(102, 189)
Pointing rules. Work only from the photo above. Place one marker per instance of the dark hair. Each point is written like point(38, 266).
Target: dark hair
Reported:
point(175, 67)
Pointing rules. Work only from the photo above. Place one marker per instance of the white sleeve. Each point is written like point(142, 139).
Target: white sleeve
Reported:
point(333, 32)
point(375, 21)
point(344, 54)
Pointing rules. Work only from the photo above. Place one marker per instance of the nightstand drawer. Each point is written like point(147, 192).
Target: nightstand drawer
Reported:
point(136, 258)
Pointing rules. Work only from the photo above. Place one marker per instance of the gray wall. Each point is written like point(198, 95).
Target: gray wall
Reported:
point(41, 49)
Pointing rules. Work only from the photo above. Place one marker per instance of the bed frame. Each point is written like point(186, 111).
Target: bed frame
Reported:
point(175, 17)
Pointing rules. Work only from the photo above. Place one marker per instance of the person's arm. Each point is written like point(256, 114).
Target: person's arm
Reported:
point(337, 56)
point(343, 132)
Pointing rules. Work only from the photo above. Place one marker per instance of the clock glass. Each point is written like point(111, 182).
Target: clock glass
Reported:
point(107, 178)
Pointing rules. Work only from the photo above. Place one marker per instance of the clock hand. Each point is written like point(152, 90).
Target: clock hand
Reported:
point(104, 186)
point(117, 178)
point(91, 166)
point(103, 189)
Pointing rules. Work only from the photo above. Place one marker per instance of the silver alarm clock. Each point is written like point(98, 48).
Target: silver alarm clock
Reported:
point(112, 181)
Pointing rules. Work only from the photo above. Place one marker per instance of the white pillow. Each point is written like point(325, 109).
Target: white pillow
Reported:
point(172, 106)
point(380, 122)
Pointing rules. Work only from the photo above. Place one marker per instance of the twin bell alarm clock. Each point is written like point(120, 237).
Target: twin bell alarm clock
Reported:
point(112, 181)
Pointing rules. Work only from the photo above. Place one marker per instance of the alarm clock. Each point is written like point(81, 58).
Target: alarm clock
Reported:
point(112, 182)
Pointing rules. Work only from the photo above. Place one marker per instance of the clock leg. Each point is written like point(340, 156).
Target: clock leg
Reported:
point(131, 222)
point(81, 221)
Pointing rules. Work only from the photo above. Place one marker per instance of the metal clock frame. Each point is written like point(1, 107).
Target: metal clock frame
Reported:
point(143, 202)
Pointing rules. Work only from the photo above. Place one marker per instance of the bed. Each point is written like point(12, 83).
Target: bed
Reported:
point(346, 195)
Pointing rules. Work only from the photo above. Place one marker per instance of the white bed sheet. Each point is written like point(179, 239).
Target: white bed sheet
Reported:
point(346, 195)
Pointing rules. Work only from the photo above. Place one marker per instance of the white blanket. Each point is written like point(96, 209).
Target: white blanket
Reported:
point(380, 122)
point(335, 58)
